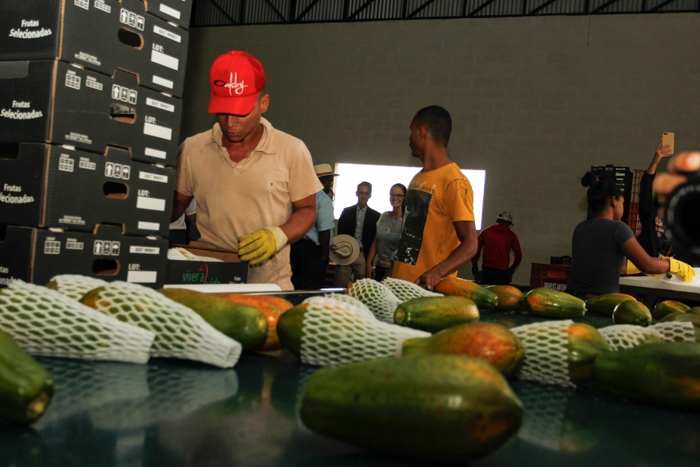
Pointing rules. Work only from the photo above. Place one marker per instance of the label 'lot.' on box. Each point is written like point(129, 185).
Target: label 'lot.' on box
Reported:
point(43, 185)
point(36, 255)
point(54, 102)
point(103, 35)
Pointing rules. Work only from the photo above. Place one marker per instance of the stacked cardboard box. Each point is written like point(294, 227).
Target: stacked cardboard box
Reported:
point(90, 109)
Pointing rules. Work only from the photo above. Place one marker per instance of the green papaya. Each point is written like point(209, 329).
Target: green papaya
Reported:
point(488, 341)
point(484, 298)
point(585, 345)
point(434, 314)
point(605, 304)
point(552, 303)
point(289, 328)
point(665, 373)
point(243, 323)
point(434, 408)
point(26, 388)
point(666, 307)
point(632, 312)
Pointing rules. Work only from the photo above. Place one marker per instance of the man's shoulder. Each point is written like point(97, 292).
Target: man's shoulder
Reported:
point(373, 213)
point(199, 139)
point(280, 138)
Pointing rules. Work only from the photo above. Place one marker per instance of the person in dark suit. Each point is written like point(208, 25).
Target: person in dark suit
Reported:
point(359, 221)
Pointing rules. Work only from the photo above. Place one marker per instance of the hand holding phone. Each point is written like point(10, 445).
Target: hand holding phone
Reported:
point(667, 140)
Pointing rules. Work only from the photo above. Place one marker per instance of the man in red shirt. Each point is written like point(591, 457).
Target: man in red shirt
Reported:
point(497, 241)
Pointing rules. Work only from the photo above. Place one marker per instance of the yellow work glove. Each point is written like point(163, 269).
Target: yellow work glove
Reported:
point(684, 270)
point(256, 247)
point(632, 269)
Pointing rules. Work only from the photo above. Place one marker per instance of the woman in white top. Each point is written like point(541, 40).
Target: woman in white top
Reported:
point(388, 233)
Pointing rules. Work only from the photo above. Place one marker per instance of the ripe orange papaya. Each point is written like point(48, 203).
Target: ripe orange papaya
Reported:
point(484, 298)
point(509, 297)
point(487, 341)
point(270, 306)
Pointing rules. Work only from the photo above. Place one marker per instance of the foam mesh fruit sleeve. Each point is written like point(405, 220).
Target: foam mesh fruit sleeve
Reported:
point(47, 323)
point(179, 331)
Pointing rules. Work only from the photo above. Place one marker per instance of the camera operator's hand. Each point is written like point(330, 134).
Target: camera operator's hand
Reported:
point(664, 184)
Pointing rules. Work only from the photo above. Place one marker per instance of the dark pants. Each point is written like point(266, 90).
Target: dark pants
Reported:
point(492, 276)
point(379, 273)
point(307, 270)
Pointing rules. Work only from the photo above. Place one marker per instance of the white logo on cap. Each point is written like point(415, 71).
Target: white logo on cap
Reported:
point(238, 88)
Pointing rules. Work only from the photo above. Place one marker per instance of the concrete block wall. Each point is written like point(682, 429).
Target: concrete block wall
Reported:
point(534, 101)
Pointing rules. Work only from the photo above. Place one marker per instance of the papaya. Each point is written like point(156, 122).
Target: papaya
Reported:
point(509, 297)
point(270, 306)
point(632, 312)
point(289, 328)
point(434, 408)
point(665, 373)
point(243, 323)
point(552, 303)
point(585, 344)
point(605, 304)
point(488, 341)
point(484, 298)
point(434, 314)
point(26, 388)
point(694, 310)
point(666, 307)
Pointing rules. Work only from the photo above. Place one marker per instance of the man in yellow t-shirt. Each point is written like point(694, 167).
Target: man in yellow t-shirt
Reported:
point(438, 235)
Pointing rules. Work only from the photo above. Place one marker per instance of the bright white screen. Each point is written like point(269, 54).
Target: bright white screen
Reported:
point(382, 177)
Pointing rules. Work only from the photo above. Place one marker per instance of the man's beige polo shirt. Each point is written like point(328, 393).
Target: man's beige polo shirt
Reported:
point(235, 199)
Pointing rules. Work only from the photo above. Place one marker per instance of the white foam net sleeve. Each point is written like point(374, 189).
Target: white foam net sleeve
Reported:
point(546, 352)
point(377, 297)
point(675, 331)
point(335, 335)
point(405, 290)
point(350, 300)
point(74, 285)
point(626, 336)
point(46, 323)
point(180, 331)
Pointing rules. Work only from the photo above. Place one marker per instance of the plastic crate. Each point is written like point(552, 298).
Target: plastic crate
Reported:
point(550, 276)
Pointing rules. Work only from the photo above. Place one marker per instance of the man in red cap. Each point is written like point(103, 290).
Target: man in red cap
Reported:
point(496, 242)
point(247, 176)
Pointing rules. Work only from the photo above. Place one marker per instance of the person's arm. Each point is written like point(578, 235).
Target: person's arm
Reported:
point(662, 150)
point(466, 233)
point(647, 264)
point(517, 253)
point(369, 268)
point(180, 203)
point(475, 259)
point(324, 238)
point(301, 220)
point(259, 245)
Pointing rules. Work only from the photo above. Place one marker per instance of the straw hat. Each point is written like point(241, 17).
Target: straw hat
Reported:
point(347, 250)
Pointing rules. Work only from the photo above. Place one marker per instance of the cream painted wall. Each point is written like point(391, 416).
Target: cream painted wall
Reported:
point(534, 101)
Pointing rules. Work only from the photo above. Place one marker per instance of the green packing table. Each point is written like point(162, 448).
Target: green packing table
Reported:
point(179, 413)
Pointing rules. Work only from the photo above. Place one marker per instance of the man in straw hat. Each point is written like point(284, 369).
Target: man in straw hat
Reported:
point(496, 242)
point(438, 236)
point(247, 176)
point(310, 255)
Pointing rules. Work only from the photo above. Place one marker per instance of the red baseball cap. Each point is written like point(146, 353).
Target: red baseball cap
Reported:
point(235, 78)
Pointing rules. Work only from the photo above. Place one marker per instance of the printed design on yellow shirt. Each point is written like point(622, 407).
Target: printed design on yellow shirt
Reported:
point(417, 205)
